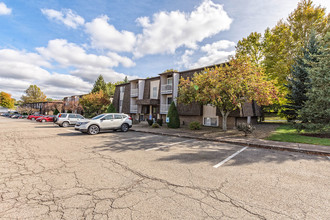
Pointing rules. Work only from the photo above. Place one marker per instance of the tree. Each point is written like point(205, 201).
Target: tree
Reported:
point(33, 94)
point(111, 108)
point(252, 46)
point(173, 115)
point(228, 87)
point(315, 114)
point(95, 103)
point(299, 81)
point(126, 80)
point(100, 85)
point(56, 111)
point(6, 100)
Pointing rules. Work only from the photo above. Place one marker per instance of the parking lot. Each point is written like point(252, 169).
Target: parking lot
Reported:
point(48, 172)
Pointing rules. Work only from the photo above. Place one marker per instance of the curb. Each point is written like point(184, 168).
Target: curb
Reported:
point(264, 146)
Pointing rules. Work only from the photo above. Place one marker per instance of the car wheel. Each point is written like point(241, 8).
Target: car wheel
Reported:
point(33, 119)
point(43, 120)
point(65, 124)
point(93, 129)
point(124, 127)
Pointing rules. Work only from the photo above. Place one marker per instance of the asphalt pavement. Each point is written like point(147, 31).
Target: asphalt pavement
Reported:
point(48, 172)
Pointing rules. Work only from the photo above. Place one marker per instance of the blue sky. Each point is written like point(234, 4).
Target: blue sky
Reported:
point(62, 46)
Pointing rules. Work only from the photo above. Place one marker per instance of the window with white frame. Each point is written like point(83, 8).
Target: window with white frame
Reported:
point(154, 92)
point(210, 121)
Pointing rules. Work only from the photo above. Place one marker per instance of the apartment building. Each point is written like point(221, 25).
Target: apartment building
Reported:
point(150, 98)
point(47, 107)
point(71, 104)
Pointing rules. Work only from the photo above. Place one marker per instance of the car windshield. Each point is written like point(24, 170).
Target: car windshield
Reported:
point(62, 115)
point(98, 117)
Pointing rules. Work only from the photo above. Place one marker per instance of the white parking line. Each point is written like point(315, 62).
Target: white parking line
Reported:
point(74, 131)
point(156, 148)
point(329, 157)
point(228, 158)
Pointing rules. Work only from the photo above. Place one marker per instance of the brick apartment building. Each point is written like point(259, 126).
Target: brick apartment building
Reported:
point(151, 98)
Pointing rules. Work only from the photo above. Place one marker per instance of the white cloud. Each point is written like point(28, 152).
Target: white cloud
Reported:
point(170, 30)
point(66, 16)
point(70, 54)
point(213, 54)
point(22, 65)
point(4, 10)
point(219, 45)
point(106, 36)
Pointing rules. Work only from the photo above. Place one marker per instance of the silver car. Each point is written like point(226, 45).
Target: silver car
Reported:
point(66, 119)
point(108, 121)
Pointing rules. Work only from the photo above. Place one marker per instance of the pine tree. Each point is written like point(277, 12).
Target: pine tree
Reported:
point(315, 114)
point(56, 112)
point(173, 115)
point(126, 80)
point(111, 109)
point(100, 85)
point(299, 82)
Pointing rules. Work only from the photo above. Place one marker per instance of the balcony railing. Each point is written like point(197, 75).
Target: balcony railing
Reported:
point(164, 108)
point(134, 109)
point(166, 89)
point(134, 92)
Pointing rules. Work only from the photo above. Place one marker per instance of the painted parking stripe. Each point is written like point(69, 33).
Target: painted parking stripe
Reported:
point(230, 157)
point(156, 148)
point(74, 131)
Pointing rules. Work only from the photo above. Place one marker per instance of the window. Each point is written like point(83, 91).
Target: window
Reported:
point(154, 92)
point(108, 117)
point(62, 115)
point(169, 100)
point(169, 81)
point(79, 116)
point(72, 116)
point(122, 89)
point(210, 121)
point(118, 117)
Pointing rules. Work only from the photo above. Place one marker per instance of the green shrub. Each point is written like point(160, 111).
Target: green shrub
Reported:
point(173, 115)
point(159, 121)
point(155, 125)
point(195, 125)
point(150, 122)
point(246, 128)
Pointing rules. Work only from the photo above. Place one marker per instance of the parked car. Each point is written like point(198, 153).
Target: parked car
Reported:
point(66, 119)
point(109, 121)
point(46, 118)
point(23, 116)
point(34, 117)
point(16, 116)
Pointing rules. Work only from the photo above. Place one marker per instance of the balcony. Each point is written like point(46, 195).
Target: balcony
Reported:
point(164, 108)
point(133, 109)
point(166, 89)
point(134, 92)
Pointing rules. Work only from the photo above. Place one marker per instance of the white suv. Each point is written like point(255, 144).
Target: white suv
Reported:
point(108, 121)
point(66, 119)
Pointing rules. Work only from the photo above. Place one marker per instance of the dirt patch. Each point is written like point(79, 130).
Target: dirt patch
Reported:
point(317, 135)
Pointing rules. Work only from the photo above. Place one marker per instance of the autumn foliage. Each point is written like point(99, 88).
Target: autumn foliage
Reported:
point(95, 103)
point(228, 87)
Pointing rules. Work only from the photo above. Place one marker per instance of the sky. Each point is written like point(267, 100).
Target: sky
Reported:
point(63, 46)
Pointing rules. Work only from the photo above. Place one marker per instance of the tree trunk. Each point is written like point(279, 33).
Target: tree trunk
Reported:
point(224, 119)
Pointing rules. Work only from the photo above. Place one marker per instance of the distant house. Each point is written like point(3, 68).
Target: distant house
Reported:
point(4, 110)
point(151, 98)
point(71, 104)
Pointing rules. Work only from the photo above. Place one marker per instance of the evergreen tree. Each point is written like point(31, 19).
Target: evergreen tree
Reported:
point(298, 83)
point(56, 112)
point(315, 114)
point(100, 85)
point(126, 80)
point(173, 115)
point(111, 109)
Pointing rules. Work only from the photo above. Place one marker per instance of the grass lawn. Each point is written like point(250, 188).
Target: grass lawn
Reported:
point(288, 134)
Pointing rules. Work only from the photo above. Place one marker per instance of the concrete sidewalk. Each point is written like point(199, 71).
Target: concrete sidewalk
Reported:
point(233, 137)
